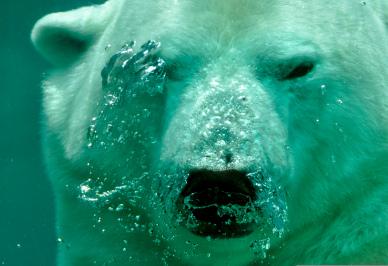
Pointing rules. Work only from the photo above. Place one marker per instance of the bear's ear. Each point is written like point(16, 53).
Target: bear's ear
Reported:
point(62, 37)
point(383, 11)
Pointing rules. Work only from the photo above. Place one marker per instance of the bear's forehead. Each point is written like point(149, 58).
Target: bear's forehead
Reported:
point(280, 45)
point(237, 12)
point(233, 23)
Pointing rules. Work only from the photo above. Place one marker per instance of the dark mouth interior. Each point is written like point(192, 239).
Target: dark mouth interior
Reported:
point(208, 193)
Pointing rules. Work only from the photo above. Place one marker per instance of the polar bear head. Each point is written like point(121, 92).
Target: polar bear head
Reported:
point(193, 132)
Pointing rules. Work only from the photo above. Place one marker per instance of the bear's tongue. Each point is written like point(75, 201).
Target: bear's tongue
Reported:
point(215, 203)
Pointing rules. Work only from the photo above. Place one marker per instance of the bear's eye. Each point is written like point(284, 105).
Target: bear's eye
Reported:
point(174, 73)
point(299, 71)
point(181, 65)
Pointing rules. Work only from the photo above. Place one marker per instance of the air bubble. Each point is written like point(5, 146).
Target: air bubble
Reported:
point(260, 247)
point(107, 47)
point(120, 207)
point(323, 89)
point(333, 159)
point(85, 188)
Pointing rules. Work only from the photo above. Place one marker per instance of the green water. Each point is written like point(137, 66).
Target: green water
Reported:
point(26, 201)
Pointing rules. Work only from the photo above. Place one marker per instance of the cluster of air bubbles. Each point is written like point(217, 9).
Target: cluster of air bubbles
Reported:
point(260, 247)
point(271, 201)
point(103, 195)
point(272, 209)
point(130, 74)
point(224, 120)
point(128, 70)
point(93, 191)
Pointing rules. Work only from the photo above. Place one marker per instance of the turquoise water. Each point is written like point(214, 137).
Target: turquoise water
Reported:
point(26, 201)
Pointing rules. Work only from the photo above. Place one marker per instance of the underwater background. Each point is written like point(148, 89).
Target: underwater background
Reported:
point(27, 231)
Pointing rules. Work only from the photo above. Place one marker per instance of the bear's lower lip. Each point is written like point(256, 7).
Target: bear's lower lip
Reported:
point(212, 202)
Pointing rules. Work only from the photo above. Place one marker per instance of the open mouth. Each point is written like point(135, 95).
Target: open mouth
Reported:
point(218, 204)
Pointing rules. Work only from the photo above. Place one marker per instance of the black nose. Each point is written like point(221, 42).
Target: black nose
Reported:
point(208, 192)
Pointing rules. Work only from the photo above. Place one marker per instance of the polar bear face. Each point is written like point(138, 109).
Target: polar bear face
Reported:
point(210, 133)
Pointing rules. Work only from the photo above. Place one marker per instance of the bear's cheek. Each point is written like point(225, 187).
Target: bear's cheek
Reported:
point(122, 140)
point(321, 119)
point(314, 105)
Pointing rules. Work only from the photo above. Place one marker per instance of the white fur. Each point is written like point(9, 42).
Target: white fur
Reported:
point(333, 122)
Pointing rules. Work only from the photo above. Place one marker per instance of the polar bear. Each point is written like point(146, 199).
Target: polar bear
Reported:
point(183, 132)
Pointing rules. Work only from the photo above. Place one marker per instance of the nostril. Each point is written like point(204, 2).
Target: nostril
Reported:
point(300, 70)
point(228, 158)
